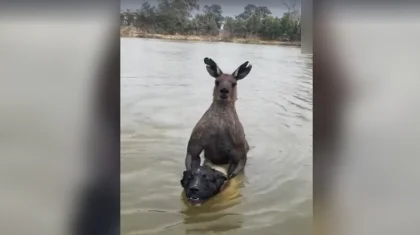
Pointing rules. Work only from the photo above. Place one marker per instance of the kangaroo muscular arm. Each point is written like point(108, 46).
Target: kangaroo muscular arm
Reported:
point(246, 146)
point(242, 132)
point(237, 164)
point(236, 168)
point(192, 160)
point(196, 144)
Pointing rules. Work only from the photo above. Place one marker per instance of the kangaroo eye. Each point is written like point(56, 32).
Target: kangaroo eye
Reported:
point(217, 83)
point(233, 84)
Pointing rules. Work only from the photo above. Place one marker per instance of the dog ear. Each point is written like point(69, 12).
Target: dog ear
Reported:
point(184, 180)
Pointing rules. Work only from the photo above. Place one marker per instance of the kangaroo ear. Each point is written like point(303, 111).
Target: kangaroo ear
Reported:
point(242, 71)
point(212, 68)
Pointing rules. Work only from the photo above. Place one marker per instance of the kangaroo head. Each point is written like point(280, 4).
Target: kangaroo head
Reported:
point(225, 84)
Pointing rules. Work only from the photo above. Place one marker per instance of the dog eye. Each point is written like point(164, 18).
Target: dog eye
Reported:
point(217, 83)
point(207, 177)
point(233, 84)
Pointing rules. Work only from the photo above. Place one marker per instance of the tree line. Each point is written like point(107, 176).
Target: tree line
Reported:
point(175, 17)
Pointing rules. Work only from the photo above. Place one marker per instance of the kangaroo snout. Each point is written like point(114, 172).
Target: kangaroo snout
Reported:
point(224, 93)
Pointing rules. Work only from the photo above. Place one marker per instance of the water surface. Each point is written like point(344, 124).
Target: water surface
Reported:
point(165, 89)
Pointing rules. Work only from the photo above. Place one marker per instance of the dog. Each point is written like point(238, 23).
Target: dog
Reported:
point(203, 182)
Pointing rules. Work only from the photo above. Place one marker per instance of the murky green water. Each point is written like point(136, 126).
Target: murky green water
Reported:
point(165, 89)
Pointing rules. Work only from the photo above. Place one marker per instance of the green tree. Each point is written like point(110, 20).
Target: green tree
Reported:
point(214, 13)
point(249, 10)
point(174, 17)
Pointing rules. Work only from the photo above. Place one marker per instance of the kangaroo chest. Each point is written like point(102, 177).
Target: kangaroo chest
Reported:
point(221, 140)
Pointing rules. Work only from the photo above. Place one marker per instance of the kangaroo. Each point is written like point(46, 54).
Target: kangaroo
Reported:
point(219, 133)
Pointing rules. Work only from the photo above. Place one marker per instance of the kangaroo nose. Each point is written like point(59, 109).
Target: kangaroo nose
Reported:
point(224, 91)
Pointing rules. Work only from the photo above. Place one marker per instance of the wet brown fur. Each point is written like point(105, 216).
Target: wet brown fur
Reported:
point(219, 133)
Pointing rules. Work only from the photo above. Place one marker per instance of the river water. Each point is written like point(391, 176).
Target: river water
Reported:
point(165, 89)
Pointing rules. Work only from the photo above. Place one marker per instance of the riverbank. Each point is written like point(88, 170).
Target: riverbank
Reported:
point(131, 32)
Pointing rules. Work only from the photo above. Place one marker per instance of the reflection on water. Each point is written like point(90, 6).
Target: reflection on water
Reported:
point(166, 89)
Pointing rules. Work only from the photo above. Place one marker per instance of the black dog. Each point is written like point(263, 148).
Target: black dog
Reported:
point(202, 183)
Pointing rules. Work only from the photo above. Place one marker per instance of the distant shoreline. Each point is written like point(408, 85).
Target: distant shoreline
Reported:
point(130, 32)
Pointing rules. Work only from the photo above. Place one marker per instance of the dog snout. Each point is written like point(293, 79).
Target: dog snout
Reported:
point(193, 189)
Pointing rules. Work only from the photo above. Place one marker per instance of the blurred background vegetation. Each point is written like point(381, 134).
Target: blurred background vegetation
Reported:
point(171, 17)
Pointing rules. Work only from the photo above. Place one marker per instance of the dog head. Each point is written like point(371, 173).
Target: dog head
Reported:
point(202, 183)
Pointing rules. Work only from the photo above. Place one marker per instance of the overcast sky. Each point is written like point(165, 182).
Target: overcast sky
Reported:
point(229, 7)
